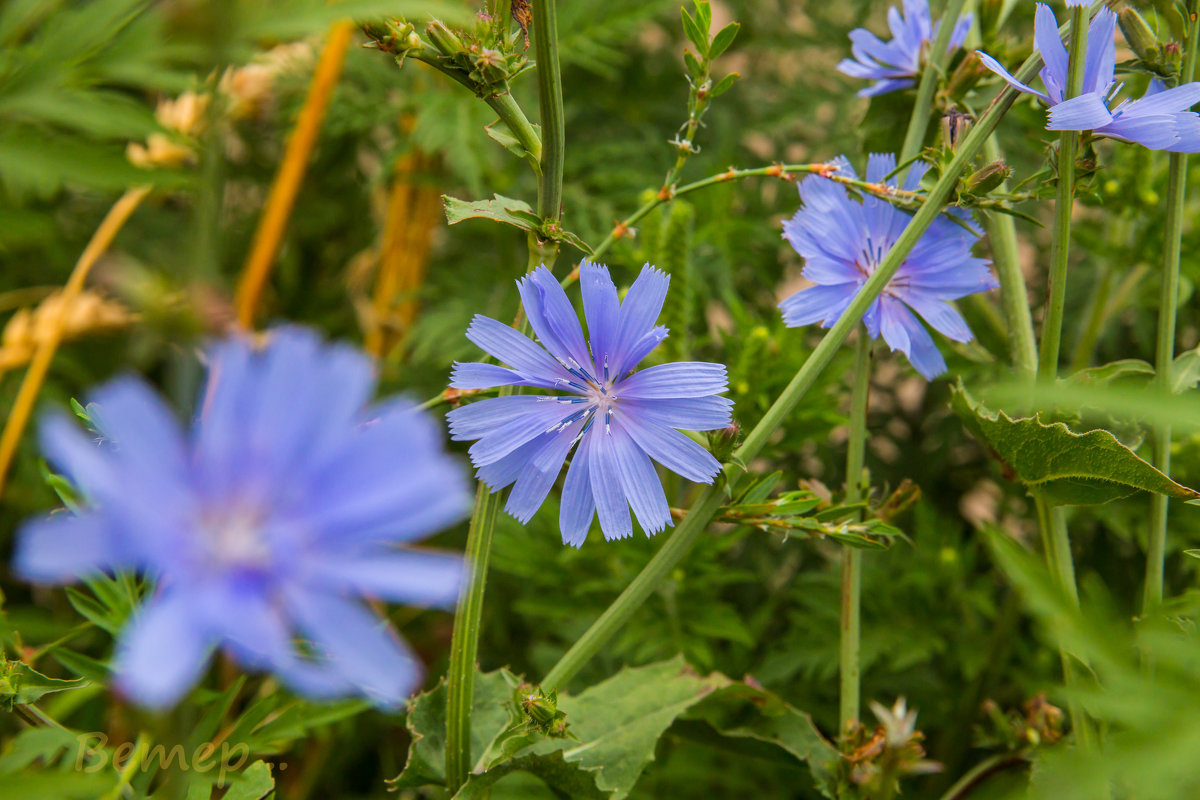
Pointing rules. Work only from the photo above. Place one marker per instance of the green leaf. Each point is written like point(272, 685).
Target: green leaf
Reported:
point(724, 85)
point(500, 209)
point(1185, 371)
point(1192, 553)
point(427, 723)
point(619, 722)
point(83, 666)
point(500, 133)
point(255, 783)
point(574, 241)
point(1108, 373)
point(21, 683)
point(1065, 467)
point(693, 66)
point(697, 36)
point(723, 39)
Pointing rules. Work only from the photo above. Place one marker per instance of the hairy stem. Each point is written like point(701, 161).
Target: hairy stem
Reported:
point(710, 499)
point(1164, 351)
point(935, 61)
point(851, 624)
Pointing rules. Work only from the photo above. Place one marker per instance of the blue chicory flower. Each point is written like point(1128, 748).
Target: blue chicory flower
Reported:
point(621, 419)
point(843, 242)
point(1159, 120)
point(266, 521)
point(895, 64)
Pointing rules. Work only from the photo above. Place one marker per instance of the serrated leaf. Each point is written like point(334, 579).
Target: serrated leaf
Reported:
point(500, 209)
point(724, 85)
point(723, 39)
point(1065, 467)
point(427, 723)
point(620, 721)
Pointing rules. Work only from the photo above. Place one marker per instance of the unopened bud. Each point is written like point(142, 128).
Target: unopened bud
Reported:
point(722, 442)
point(444, 39)
point(1141, 39)
point(490, 66)
point(954, 126)
point(986, 179)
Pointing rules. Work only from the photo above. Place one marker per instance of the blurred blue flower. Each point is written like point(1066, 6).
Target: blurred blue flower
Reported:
point(267, 521)
point(895, 64)
point(620, 418)
point(1159, 120)
point(843, 242)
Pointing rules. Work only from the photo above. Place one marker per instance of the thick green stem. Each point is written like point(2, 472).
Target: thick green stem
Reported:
point(464, 646)
point(1060, 247)
point(852, 556)
point(550, 103)
point(711, 497)
point(935, 61)
point(518, 124)
point(1014, 297)
point(1164, 351)
point(460, 681)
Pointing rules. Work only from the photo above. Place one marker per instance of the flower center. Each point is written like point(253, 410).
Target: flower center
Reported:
point(597, 396)
point(234, 537)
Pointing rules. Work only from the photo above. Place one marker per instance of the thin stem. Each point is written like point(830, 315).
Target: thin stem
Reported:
point(851, 624)
point(1164, 351)
point(39, 365)
point(981, 772)
point(287, 181)
point(709, 500)
point(1014, 297)
point(464, 646)
point(460, 681)
point(1064, 203)
point(935, 60)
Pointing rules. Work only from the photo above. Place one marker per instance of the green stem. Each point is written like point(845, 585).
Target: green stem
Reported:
point(1060, 247)
point(550, 103)
point(935, 60)
point(510, 114)
point(1164, 351)
point(1014, 297)
point(464, 646)
point(982, 771)
point(710, 499)
point(1093, 318)
point(852, 556)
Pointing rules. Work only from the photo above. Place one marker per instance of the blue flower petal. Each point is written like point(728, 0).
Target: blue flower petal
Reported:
point(680, 379)
point(540, 472)
point(475, 375)
point(812, 304)
point(1154, 131)
point(902, 331)
point(552, 317)
point(577, 506)
point(1101, 58)
point(672, 449)
point(360, 646)
point(639, 311)
point(995, 67)
point(1048, 42)
point(611, 505)
point(162, 652)
point(601, 308)
point(639, 481)
point(1082, 113)
point(520, 352)
point(64, 548)
point(405, 576)
point(690, 413)
point(473, 420)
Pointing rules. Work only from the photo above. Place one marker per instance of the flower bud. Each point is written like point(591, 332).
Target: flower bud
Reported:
point(986, 179)
point(444, 39)
point(1141, 39)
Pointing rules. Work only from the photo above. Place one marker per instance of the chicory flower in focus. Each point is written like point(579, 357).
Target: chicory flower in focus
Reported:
point(1160, 120)
point(268, 520)
point(621, 419)
point(843, 242)
point(895, 64)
